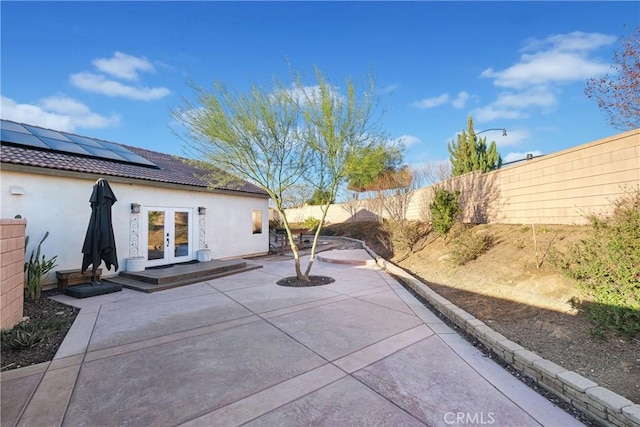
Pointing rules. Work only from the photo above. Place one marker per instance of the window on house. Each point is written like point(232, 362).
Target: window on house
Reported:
point(257, 222)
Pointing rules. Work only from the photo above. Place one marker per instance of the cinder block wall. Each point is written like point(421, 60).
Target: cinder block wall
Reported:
point(562, 187)
point(12, 235)
point(558, 188)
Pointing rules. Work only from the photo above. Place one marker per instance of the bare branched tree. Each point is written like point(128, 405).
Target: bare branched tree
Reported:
point(352, 204)
point(397, 190)
point(618, 92)
point(434, 172)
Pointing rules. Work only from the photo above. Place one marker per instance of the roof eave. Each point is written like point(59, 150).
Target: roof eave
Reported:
point(15, 167)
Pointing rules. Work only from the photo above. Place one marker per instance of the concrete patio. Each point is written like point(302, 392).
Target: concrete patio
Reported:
point(240, 350)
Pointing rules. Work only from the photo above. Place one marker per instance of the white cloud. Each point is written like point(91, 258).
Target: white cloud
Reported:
point(513, 105)
point(461, 100)
point(558, 59)
point(513, 138)
point(574, 41)
point(432, 102)
point(407, 140)
point(492, 112)
point(458, 102)
point(64, 105)
point(514, 157)
point(57, 112)
point(547, 67)
point(98, 83)
point(534, 97)
point(388, 89)
point(123, 66)
point(544, 66)
point(120, 66)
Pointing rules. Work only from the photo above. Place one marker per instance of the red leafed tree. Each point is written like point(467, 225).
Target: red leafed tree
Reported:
point(618, 92)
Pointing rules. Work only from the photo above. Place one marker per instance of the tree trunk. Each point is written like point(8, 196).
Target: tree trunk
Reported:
point(324, 209)
point(296, 257)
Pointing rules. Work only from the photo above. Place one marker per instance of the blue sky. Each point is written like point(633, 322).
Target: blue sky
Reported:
point(116, 70)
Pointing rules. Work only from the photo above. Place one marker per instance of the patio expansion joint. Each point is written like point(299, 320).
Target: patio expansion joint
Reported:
point(291, 309)
point(118, 350)
point(29, 370)
point(385, 306)
point(269, 399)
point(383, 348)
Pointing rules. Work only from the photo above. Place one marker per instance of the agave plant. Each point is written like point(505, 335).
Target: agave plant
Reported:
point(24, 335)
point(37, 269)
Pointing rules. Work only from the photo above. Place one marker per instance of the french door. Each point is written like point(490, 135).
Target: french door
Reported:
point(168, 232)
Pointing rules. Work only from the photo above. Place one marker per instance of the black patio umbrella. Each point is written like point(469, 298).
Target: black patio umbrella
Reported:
point(100, 243)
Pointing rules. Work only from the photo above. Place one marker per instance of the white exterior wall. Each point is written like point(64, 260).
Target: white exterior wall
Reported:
point(61, 206)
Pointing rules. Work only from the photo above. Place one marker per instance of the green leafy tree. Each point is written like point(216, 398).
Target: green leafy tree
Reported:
point(281, 137)
point(471, 153)
point(369, 164)
point(321, 197)
point(339, 127)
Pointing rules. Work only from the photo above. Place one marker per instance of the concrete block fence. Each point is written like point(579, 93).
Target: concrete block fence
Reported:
point(602, 404)
point(12, 239)
point(557, 188)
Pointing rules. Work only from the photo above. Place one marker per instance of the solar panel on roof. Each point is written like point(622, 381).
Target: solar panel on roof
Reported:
point(83, 140)
point(103, 153)
point(132, 157)
point(47, 139)
point(67, 147)
point(22, 139)
point(14, 127)
point(114, 147)
point(46, 133)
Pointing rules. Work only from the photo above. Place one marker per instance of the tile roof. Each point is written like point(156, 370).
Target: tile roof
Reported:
point(171, 169)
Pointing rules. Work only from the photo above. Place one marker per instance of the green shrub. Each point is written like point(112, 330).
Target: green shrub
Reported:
point(444, 210)
point(469, 243)
point(606, 265)
point(37, 269)
point(311, 223)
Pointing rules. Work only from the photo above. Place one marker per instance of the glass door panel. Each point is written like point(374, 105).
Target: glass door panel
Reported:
point(156, 240)
point(181, 234)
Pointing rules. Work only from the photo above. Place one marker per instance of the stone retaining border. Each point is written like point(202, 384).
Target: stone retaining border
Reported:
point(602, 404)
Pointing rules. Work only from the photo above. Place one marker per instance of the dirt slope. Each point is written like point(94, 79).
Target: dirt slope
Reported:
point(505, 289)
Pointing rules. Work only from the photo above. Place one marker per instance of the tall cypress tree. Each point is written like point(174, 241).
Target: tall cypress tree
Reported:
point(470, 153)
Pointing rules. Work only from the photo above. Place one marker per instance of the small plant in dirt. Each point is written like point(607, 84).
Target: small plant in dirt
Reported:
point(37, 269)
point(24, 335)
point(28, 333)
point(468, 243)
point(444, 210)
point(605, 265)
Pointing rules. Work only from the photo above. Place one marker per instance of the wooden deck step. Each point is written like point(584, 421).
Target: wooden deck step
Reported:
point(153, 280)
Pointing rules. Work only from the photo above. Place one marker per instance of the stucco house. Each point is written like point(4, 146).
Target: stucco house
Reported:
point(168, 210)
